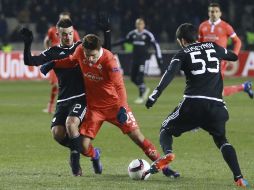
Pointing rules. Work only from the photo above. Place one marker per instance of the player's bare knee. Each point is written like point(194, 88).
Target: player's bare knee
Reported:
point(72, 124)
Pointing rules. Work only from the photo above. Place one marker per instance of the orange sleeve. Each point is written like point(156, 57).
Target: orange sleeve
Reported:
point(76, 36)
point(236, 40)
point(237, 44)
point(116, 77)
point(68, 62)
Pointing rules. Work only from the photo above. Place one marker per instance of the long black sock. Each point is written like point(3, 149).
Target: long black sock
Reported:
point(75, 144)
point(166, 141)
point(141, 89)
point(230, 157)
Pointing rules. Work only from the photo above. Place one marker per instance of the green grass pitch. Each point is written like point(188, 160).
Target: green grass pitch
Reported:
point(31, 159)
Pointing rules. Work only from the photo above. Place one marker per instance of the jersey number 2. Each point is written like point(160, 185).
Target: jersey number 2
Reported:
point(196, 60)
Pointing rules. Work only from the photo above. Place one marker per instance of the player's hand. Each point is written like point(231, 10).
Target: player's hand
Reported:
point(122, 115)
point(27, 35)
point(45, 68)
point(103, 21)
point(152, 99)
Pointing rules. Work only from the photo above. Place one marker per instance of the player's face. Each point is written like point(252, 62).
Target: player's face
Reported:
point(214, 13)
point(92, 55)
point(140, 25)
point(66, 36)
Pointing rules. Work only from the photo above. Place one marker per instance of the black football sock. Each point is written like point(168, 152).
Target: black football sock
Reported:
point(230, 157)
point(65, 142)
point(166, 141)
point(75, 144)
point(142, 89)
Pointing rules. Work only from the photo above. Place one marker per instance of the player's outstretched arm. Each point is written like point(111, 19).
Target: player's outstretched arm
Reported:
point(65, 63)
point(27, 37)
point(225, 54)
point(167, 77)
point(104, 24)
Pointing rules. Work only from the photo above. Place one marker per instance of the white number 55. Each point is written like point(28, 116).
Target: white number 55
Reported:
point(209, 58)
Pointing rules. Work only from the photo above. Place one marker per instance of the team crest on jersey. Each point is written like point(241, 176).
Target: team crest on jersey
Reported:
point(134, 36)
point(143, 37)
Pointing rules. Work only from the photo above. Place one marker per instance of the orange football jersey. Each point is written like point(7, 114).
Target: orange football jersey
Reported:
point(103, 80)
point(54, 39)
point(218, 32)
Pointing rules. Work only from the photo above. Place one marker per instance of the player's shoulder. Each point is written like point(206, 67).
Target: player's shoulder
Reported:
point(132, 32)
point(107, 55)
point(180, 54)
point(150, 34)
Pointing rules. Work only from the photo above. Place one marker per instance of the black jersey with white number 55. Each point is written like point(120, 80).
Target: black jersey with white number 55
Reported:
point(200, 63)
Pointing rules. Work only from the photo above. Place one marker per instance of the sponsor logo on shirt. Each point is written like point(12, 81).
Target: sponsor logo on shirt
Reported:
point(93, 77)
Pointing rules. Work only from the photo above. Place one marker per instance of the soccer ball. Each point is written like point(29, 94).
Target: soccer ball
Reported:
point(137, 168)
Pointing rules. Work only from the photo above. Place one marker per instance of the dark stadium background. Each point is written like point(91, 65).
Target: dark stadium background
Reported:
point(162, 17)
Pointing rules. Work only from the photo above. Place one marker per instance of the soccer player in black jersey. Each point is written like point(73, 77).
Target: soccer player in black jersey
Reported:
point(141, 40)
point(71, 105)
point(202, 105)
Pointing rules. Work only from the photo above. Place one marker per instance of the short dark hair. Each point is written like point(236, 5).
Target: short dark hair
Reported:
point(188, 32)
point(64, 23)
point(91, 42)
point(214, 5)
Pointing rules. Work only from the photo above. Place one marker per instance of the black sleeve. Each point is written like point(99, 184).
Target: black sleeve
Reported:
point(225, 54)
point(107, 40)
point(33, 60)
point(173, 68)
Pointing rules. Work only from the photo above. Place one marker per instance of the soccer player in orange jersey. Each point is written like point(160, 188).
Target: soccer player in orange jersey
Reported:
point(218, 31)
point(50, 40)
point(106, 97)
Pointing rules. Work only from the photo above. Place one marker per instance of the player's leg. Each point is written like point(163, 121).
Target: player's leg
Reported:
point(233, 89)
point(72, 124)
point(245, 87)
point(88, 130)
point(58, 129)
point(75, 117)
point(60, 135)
point(217, 115)
point(131, 128)
point(230, 157)
point(137, 77)
point(145, 144)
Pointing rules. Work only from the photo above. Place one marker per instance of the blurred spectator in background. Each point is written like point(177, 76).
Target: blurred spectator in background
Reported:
point(162, 16)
